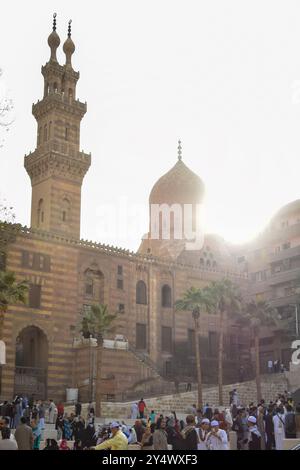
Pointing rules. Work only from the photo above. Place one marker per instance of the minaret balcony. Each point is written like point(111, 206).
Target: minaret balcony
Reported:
point(52, 163)
point(60, 102)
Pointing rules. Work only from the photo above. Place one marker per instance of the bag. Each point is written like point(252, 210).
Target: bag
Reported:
point(235, 426)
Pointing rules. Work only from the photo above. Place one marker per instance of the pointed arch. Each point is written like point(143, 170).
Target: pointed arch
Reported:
point(166, 296)
point(141, 293)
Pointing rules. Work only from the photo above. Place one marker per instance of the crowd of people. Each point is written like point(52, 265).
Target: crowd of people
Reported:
point(275, 366)
point(256, 427)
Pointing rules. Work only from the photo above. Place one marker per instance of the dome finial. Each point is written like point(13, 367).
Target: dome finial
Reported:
point(69, 28)
point(53, 40)
point(54, 21)
point(179, 149)
point(69, 46)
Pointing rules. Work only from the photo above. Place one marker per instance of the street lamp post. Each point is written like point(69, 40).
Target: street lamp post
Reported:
point(196, 315)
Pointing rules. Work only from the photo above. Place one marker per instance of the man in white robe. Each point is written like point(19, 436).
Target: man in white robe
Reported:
point(134, 411)
point(217, 438)
point(279, 433)
point(203, 432)
point(51, 411)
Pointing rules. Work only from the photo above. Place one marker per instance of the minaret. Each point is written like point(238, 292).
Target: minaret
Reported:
point(57, 167)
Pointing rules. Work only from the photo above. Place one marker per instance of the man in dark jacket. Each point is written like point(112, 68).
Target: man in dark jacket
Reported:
point(290, 423)
point(269, 429)
point(190, 435)
point(24, 435)
point(208, 412)
point(78, 409)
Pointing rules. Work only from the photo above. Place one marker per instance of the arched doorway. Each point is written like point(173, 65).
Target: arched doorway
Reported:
point(31, 363)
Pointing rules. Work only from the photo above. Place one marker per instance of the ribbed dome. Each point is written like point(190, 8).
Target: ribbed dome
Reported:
point(69, 47)
point(179, 185)
point(53, 42)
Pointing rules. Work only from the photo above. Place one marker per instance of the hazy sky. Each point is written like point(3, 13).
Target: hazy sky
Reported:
point(224, 76)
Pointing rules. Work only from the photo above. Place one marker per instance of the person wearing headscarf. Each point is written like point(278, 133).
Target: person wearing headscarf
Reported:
point(67, 429)
point(174, 437)
point(132, 439)
point(261, 426)
point(147, 439)
point(37, 434)
point(139, 429)
point(189, 434)
point(51, 444)
point(63, 445)
point(160, 439)
point(228, 419)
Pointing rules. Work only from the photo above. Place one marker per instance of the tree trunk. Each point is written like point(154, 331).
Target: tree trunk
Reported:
point(98, 381)
point(220, 358)
point(198, 365)
point(257, 367)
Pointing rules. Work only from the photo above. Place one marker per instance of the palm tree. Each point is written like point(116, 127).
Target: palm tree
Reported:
point(195, 300)
point(97, 322)
point(255, 315)
point(11, 292)
point(225, 299)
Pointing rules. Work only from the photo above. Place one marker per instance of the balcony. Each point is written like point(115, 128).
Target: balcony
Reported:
point(284, 254)
point(284, 276)
point(58, 99)
point(283, 301)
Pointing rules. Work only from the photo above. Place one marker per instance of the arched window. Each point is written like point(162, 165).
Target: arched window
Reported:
point(201, 261)
point(70, 94)
point(166, 296)
point(45, 132)
point(50, 130)
point(55, 87)
point(89, 287)
point(40, 212)
point(66, 133)
point(208, 263)
point(94, 284)
point(141, 293)
point(66, 209)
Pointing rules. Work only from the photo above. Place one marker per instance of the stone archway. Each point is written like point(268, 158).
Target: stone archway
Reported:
point(31, 363)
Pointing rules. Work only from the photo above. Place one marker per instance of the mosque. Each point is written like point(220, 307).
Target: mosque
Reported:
point(68, 274)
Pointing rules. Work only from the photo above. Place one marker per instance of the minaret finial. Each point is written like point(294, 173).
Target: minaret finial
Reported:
point(69, 29)
point(179, 150)
point(54, 21)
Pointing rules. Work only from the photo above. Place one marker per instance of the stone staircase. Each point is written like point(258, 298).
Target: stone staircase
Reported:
point(272, 385)
point(143, 358)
